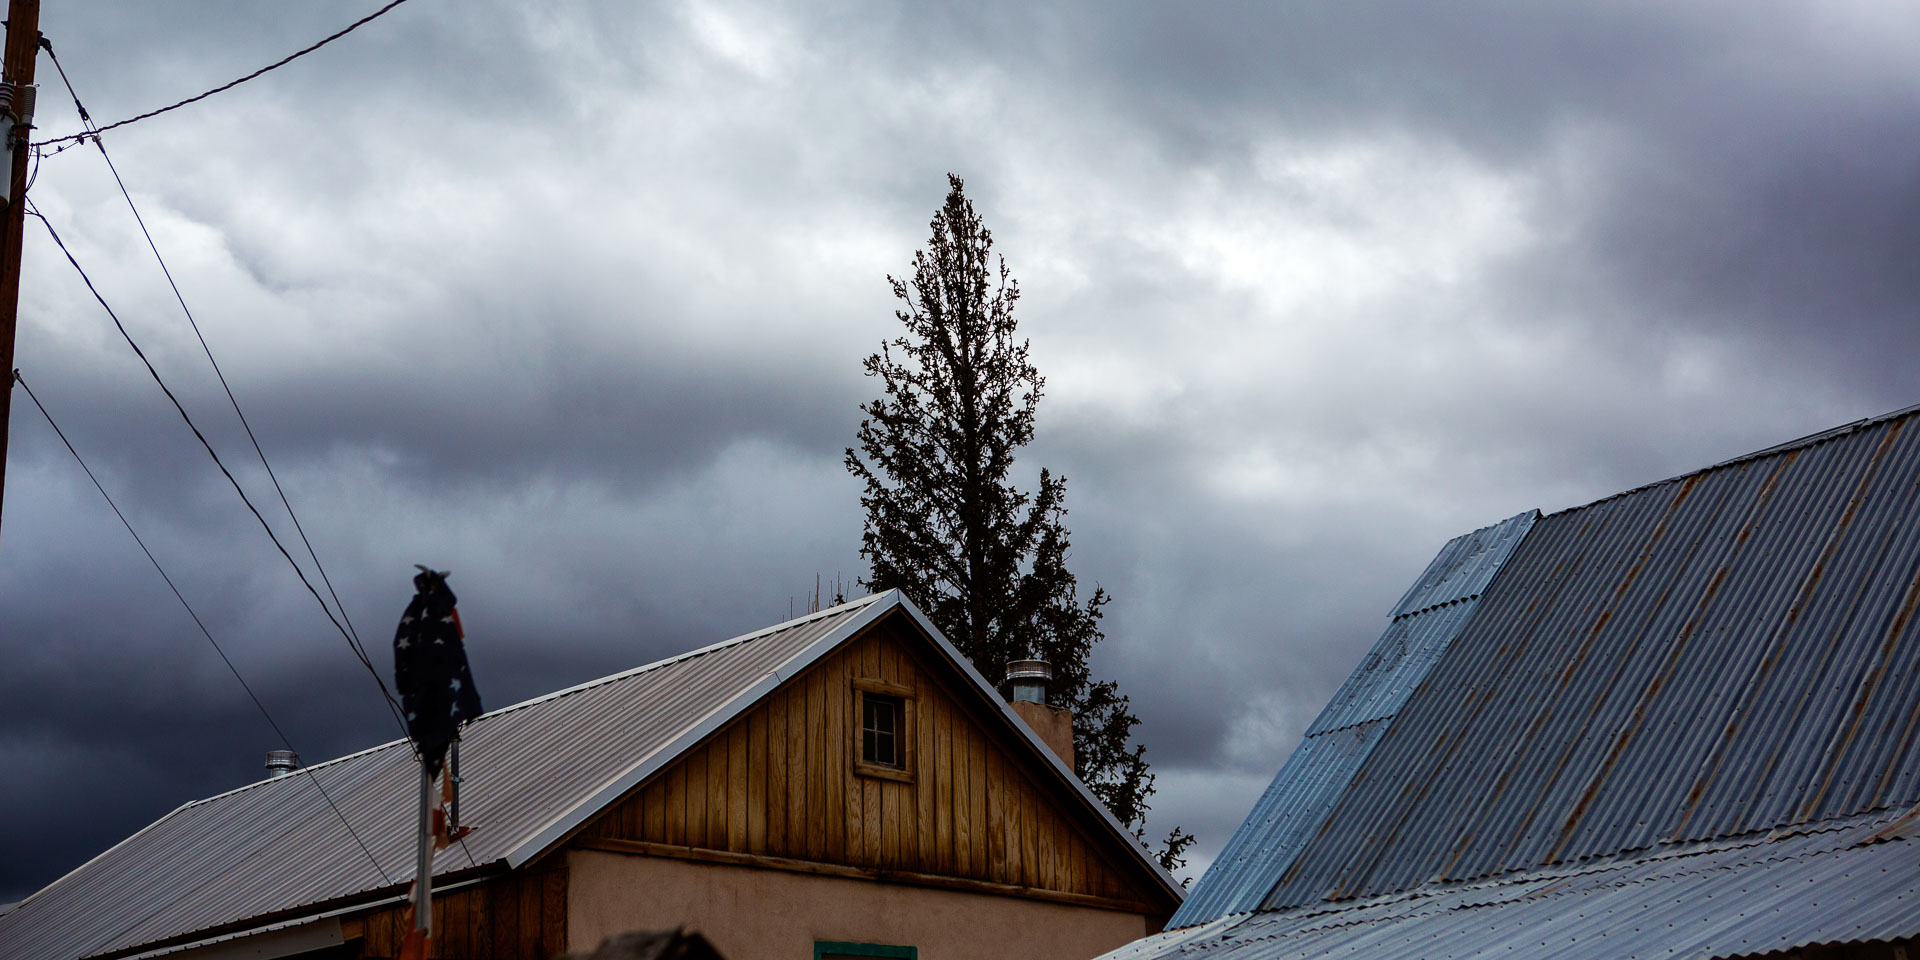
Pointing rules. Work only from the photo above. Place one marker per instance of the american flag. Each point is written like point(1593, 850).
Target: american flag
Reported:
point(430, 668)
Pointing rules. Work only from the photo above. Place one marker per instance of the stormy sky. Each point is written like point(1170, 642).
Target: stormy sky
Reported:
point(571, 298)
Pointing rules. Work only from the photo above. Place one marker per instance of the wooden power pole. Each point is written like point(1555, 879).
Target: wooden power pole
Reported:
point(23, 48)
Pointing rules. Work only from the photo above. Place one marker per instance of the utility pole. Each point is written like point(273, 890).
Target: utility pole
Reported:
point(16, 113)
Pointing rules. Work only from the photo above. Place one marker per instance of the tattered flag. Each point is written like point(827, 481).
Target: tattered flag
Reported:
point(430, 669)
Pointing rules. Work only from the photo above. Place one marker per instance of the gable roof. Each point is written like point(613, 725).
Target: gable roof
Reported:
point(535, 772)
point(1727, 654)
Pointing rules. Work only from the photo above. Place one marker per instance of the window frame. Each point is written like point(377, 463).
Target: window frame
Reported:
point(903, 730)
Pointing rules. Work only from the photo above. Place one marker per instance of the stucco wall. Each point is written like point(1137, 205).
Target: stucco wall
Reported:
point(759, 914)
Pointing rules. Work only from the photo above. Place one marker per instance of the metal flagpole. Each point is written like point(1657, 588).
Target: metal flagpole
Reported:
point(437, 695)
point(419, 939)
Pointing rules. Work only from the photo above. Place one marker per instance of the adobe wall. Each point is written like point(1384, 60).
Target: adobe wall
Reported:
point(761, 914)
point(1053, 724)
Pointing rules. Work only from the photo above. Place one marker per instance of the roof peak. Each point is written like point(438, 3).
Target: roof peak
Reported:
point(833, 611)
point(564, 691)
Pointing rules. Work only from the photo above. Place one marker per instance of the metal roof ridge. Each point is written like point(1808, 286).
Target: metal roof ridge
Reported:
point(847, 607)
point(297, 772)
point(551, 695)
point(1810, 440)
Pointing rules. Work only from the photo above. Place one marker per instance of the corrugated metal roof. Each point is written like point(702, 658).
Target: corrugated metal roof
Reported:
point(1725, 652)
point(274, 845)
point(1832, 883)
point(1339, 741)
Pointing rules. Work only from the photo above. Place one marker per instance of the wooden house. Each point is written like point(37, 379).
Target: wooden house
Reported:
point(845, 784)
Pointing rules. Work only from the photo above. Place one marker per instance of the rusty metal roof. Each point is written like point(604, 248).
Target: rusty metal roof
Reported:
point(1298, 800)
point(1728, 651)
point(1680, 721)
point(533, 772)
point(1838, 881)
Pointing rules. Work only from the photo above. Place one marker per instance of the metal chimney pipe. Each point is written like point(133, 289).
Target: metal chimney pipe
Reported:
point(280, 763)
point(1028, 680)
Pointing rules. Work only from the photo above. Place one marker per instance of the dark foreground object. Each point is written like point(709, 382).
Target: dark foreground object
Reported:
point(655, 945)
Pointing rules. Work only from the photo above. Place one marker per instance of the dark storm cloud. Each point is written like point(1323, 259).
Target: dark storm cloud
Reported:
point(572, 300)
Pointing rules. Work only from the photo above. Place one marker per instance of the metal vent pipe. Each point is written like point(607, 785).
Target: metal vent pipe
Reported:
point(282, 762)
point(1028, 680)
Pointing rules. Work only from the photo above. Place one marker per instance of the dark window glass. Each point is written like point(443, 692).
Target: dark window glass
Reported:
point(830, 950)
point(880, 730)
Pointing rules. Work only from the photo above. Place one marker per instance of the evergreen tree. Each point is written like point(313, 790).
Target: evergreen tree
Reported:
point(985, 559)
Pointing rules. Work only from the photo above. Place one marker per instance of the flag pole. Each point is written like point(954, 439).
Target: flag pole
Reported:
point(437, 695)
point(419, 939)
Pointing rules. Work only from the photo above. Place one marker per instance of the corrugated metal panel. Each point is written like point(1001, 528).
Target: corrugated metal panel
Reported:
point(1285, 818)
point(1465, 565)
point(1720, 653)
point(1723, 898)
point(1393, 669)
point(275, 845)
point(1338, 742)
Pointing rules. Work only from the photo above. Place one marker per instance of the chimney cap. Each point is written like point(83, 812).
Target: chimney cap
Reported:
point(1028, 680)
point(282, 762)
point(1029, 670)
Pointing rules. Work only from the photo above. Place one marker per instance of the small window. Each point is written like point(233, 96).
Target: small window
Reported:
point(880, 730)
point(842, 950)
point(883, 730)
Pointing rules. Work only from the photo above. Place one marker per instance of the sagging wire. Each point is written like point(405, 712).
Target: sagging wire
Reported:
point(244, 685)
point(359, 654)
point(353, 638)
point(357, 24)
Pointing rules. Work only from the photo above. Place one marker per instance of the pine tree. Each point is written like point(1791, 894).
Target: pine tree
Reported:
point(985, 559)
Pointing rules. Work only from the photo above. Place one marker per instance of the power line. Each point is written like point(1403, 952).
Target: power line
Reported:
point(354, 640)
point(357, 24)
point(302, 574)
point(311, 778)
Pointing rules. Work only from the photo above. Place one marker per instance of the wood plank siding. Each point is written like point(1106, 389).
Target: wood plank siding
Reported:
point(781, 783)
point(520, 916)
